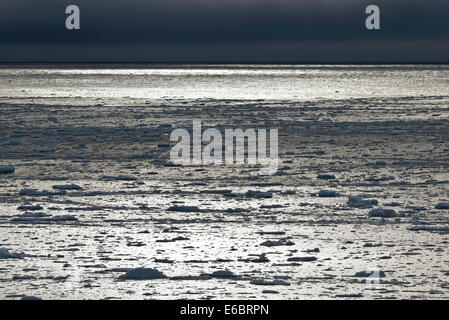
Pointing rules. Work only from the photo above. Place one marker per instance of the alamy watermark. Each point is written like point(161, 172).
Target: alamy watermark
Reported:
point(228, 148)
point(73, 284)
point(73, 21)
point(373, 276)
point(372, 22)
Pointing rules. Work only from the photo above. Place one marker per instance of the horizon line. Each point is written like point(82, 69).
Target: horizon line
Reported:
point(234, 62)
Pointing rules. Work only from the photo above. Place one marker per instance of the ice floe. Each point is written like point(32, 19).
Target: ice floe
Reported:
point(222, 274)
point(358, 202)
point(30, 192)
point(30, 298)
point(430, 228)
point(277, 243)
point(30, 208)
point(6, 254)
point(184, 209)
point(258, 194)
point(142, 274)
point(42, 218)
point(67, 187)
point(37, 193)
point(326, 176)
point(269, 283)
point(442, 206)
point(119, 178)
point(327, 194)
point(7, 169)
point(382, 213)
point(302, 259)
point(370, 274)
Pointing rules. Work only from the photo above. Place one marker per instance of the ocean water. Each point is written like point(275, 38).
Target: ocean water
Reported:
point(127, 84)
point(100, 133)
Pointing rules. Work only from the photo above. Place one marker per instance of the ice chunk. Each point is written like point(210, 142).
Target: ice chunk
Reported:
point(119, 178)
point(13, 142)
point(358, 202)
point(258, 194)
point(327, 194)
point(270, 283)
point(222, 274)
point(6, 254)
point(302, 259)
point(31, 218)
point(442, 206)
point(30, 192)
point(142, 274)
point(7, 169)
point(65, 218)
point(30, 208)
point(277, 243)
point(37, 193)
point(382, 213)
point(370, 274)
point(184, 209)
point(430, 228)
point(326, 176)
point(67, 187)
point(30, 298)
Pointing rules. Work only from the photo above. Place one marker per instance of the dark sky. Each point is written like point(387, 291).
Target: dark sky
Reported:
point(225, 31)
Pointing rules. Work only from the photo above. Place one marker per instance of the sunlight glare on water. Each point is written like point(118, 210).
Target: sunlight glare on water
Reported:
point(225, 82)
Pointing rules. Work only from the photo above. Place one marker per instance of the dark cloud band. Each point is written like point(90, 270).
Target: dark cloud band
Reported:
point(174, 23)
